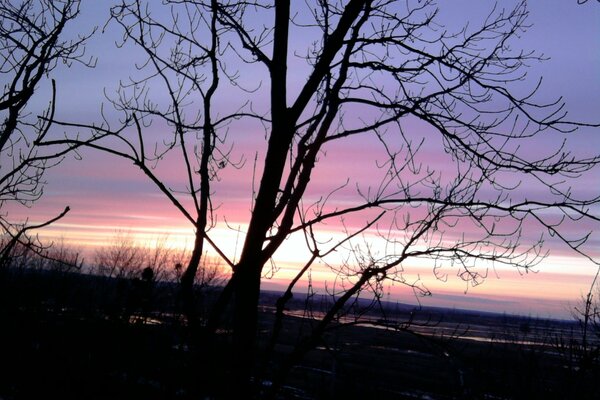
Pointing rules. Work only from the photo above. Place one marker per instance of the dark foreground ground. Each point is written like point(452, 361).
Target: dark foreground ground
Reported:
point(70, 336)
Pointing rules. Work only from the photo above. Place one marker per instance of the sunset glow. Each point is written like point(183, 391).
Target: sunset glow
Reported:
point(108, 195)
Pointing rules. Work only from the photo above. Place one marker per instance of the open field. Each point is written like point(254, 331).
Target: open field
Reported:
point(72, 336)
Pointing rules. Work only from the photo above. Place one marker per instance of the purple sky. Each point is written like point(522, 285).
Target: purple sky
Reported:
point(107, 194)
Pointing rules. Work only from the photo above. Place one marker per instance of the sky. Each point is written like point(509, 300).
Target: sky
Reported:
point(108, 195)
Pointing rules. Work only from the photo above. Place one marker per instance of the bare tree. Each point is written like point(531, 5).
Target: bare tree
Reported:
point(121, 258)
point(32, 44)
point(584, 351)
point(382, 72)
point(58, 258)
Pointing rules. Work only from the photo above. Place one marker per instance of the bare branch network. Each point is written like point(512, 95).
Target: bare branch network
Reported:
point(460, 178)
point(32, 44)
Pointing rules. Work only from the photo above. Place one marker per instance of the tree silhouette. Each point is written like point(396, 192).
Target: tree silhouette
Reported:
point(320, 74)
point(31, 46)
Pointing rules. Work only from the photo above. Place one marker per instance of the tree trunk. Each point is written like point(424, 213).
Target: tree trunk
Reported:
point(245, 324)
point(248, 271)
point(187, 285)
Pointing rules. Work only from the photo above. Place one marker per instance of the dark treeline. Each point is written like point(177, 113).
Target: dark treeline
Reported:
point(100, 336)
